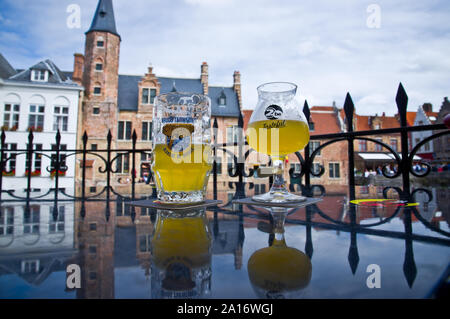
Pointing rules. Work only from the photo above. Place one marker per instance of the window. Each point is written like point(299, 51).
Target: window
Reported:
point(311, 126)
point(427, 147)
point(97, 90)
point(334, 170)
point(296, 167)
point(260, 189)
point(222, 100)
point(377, 126)
point(315, 169)
point(124, 132)
point(122, 208)
point(56, 226)
point(36, 118)
point(394, 144)
point(6, 221)
point(232, 134)
point(30, 267)
point(36, 161)
point(11, 164)
point(62, 157)
point(313, 146)
point(362, 146)
point(61, 118)
point(31, 221)
point(148, 95)
point(146, 131)
point(100, 42)
point(11, 116)
point(123, 164)
point(96, 110)
point(378, 147)
point(93, 147)
point(98, 67)
point(144, 243)
point(39, 75)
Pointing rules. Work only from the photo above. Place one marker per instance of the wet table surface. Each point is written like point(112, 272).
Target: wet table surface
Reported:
point(330, 249)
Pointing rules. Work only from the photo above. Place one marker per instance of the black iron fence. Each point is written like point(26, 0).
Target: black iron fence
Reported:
point(240, 152)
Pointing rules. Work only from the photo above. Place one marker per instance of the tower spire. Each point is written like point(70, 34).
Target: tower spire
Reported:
point(104, 18)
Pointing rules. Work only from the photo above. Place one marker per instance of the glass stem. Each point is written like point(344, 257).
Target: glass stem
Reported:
point(279, 184)
point(279, 217)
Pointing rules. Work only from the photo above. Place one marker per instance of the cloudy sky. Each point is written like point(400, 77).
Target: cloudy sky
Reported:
point(327, 47)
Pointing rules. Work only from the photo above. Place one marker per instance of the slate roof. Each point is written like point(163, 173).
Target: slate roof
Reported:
point(56, 76)
point(104, 18)
point(128, 93)
point(6, 70)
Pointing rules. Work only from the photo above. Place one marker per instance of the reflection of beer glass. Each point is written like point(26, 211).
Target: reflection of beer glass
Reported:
point(181, 147)
point(277, 127)
point(181, 255)
point(279, 271)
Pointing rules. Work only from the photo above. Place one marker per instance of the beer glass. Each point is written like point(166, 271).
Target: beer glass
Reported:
point(277, 128)
point(279, 271)
point(181, 147)
point(181, 250)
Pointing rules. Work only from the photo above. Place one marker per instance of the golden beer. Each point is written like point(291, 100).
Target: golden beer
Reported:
point(279, 268)
point(278, 137)
point(182, 240)
point(185, 171)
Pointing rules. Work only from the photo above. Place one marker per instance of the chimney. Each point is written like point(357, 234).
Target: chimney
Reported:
point(427, 107)
point(237, 86)
point(204, 77)
point(384, 114)
point(78, 66)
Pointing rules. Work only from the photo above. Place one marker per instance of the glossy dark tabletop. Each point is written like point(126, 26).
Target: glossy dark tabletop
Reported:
point(332, 249)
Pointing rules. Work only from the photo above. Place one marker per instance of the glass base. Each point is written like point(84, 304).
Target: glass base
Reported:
point(281, 197)
point(194, 197)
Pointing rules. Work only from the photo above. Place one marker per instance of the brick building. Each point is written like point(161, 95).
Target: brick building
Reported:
point(441, 145)
point(124, 103)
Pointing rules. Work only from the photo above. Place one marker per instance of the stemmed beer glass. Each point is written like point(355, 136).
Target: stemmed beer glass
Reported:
point(277, 128)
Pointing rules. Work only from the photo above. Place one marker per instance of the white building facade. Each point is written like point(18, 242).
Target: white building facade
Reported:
point(42, 99)
point(424, 116)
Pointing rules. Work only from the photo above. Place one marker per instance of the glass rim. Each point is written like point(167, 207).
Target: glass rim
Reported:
point(289, 87)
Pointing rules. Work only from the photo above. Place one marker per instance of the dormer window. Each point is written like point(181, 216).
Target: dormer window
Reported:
point(39, 75)
point(222, 99)
point(148, 95)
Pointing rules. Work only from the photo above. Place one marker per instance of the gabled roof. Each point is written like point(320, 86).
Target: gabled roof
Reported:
point(6, 70)
point(325, 120)
point(55, 76)
point(104, 18)
point(128, 93)
point(230, 109)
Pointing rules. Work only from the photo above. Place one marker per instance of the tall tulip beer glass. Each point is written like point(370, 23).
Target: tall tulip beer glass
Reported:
point(181, 147)
point(278, 127)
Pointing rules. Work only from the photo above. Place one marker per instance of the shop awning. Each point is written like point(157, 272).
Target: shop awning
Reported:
point(382, 157)
point(375, 156)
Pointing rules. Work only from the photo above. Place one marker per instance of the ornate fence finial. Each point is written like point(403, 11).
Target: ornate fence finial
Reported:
point(349, 108)
point(85, 138)
point(306, 111)
point(402, 102)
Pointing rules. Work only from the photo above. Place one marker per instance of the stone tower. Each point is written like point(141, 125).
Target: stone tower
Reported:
point(98, 72)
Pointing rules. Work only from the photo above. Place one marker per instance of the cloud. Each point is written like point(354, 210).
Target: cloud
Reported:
point(325, 47)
